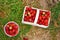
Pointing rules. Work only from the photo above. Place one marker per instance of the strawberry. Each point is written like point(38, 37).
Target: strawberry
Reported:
point(24, 38)
point(28, 8)
point(46, 22)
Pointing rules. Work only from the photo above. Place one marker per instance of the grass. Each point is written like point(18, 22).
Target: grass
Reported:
point(55, 12)
point(13, 10)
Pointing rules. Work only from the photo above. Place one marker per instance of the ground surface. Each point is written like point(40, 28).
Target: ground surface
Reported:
point(12, 10)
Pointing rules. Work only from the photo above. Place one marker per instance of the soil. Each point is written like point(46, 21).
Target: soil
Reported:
point(38, 34)
point(2, 14)
point(58, 35)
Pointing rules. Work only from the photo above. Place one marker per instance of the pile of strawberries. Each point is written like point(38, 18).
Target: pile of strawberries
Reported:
point(30, 14)
point(36, 17)
point(43, 18)
point(11, 29)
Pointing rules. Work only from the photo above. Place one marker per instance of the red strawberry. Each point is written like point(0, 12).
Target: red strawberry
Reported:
point(48, 13)
point(7, 32)
point(31, 11)
point(38, 22)
point(13, 30)
point(7, 25)
point(44, 17)
point(40, 17)
point(40, 12)
point(25, 38)
point(10, 32)
point(46, 22)
point(28, 8)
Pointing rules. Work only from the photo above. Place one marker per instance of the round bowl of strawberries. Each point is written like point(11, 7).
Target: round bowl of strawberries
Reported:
point(11, 29)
